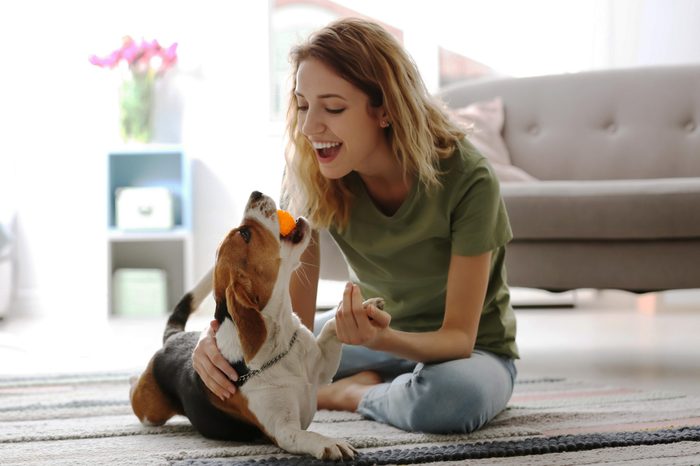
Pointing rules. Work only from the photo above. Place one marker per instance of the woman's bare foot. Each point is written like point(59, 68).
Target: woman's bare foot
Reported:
point(345, 394)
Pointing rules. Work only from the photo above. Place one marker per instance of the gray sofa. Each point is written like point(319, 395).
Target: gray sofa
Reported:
point(616, 157)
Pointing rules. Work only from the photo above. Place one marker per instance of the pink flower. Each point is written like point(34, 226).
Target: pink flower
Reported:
point(142, 58)
point(130, 51)
point(148, 51)
point(108, 62)
point(169, 56)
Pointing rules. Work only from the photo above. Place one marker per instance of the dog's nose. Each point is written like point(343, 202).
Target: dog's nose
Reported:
point(256, 195)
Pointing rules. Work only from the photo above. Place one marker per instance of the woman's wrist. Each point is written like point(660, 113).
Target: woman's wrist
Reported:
point(382, 342)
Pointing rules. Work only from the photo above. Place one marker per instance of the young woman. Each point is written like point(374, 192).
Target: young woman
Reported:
point(418, 214)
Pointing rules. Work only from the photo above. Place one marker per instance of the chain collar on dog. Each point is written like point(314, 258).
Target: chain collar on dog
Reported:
point(245, 373)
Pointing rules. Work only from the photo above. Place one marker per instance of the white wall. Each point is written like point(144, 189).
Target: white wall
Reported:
point(58, 113)
point(535, 37)
point(669, 32)
point(58, 120)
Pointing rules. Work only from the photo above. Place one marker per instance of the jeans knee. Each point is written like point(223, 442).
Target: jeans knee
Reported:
point(450, 408)
point(452, 397)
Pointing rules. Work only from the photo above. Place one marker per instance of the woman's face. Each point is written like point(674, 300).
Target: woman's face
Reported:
point(336, 117)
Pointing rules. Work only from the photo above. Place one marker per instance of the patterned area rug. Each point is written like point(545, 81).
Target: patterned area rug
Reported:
point(86, 419)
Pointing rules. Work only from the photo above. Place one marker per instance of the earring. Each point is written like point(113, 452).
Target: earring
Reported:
point(384, 124)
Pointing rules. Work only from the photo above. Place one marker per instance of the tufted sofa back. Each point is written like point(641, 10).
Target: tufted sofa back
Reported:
point(613, 124)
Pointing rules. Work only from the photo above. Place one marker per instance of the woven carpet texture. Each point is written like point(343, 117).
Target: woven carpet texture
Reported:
point(87, 419)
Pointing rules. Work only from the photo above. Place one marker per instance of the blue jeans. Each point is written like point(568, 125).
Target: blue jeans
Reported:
point(454, 396)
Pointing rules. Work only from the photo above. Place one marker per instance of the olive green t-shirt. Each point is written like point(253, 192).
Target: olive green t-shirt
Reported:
point(405, 257)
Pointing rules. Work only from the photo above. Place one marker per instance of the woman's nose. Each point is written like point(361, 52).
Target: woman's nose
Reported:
point(311, 124)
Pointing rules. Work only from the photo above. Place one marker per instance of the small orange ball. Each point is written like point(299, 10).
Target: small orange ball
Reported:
point(287, 222)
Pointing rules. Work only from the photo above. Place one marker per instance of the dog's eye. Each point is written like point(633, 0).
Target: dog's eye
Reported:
point(245, 234)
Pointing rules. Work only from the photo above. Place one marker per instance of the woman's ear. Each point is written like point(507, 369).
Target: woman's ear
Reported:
point(382, 117)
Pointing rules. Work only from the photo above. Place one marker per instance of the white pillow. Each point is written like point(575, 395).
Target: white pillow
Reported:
point(484, 124)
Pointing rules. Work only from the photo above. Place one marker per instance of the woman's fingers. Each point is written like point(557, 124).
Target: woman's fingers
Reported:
point(359, 313)
point(344, 321)
point(212, 367)
point(223, 367)
point(214, 379)
point(349, 305)
point(356, 323)
point(381, 318)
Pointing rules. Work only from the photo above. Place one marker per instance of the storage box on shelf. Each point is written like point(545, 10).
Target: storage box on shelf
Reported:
point(149, 220)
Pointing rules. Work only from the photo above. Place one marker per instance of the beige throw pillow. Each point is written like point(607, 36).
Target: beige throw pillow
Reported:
point(484, 123)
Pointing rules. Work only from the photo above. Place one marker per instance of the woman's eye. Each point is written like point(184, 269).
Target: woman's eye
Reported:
point(245, 234)
point(335, 110)
point(302, 108)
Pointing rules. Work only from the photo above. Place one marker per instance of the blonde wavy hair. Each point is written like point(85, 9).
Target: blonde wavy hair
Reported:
point(366, 55)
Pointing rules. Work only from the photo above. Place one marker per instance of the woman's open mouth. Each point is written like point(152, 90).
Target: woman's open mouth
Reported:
point(327, 151)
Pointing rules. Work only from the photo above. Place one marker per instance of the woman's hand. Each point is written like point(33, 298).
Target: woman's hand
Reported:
point(357, 324)
point(211, 365)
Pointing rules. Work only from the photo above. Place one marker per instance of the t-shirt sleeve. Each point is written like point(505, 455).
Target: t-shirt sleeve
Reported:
point(479, 222)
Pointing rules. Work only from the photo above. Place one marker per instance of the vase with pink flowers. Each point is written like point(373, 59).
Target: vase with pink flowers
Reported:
point(144, 62)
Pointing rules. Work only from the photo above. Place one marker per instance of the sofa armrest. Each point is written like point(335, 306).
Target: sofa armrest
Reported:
point(333, 265)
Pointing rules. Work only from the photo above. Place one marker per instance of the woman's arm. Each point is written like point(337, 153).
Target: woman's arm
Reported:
point(303, 286)
point(466, 289)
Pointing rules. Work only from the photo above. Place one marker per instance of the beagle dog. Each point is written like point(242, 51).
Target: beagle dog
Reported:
point(279, 361)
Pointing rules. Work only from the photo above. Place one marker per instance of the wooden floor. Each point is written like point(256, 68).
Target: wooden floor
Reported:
point(650, 341)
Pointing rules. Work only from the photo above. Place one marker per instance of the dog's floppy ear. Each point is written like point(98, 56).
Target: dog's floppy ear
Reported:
point(249, 322)
point(242, 293)
point(221, 310)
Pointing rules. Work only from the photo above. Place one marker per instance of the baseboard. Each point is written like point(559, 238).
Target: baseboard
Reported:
point(530, 298)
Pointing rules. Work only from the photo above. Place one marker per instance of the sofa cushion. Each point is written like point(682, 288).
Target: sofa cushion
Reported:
point(484, 124)
point(604, 209)
point(636, 123)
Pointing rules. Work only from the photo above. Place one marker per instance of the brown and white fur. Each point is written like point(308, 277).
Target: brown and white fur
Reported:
point(253, 306)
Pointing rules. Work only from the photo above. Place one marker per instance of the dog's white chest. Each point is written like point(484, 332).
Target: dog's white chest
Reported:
point(228, 342)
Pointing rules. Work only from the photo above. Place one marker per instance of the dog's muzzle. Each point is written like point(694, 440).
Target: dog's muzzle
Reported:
point(300, 230)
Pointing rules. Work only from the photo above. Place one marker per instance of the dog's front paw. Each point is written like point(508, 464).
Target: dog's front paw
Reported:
point(335, 450)
point(376, 302)
point(329, 326)
point(312, 443)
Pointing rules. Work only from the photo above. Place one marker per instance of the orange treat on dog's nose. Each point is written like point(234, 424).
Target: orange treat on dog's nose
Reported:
point(287, 222)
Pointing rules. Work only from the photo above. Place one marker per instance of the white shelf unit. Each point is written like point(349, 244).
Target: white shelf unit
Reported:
point(170, 250)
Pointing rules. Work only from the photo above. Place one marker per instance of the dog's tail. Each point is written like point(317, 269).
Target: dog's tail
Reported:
point(187, 305)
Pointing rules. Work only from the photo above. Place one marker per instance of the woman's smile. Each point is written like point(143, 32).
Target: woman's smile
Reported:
point(326, 152)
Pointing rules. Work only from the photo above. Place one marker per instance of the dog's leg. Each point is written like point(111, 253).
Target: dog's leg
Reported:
point(284, 428)
point(148, 401)
point(331, 348)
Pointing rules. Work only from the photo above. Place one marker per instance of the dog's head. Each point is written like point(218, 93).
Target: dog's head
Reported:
point(253, 267)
